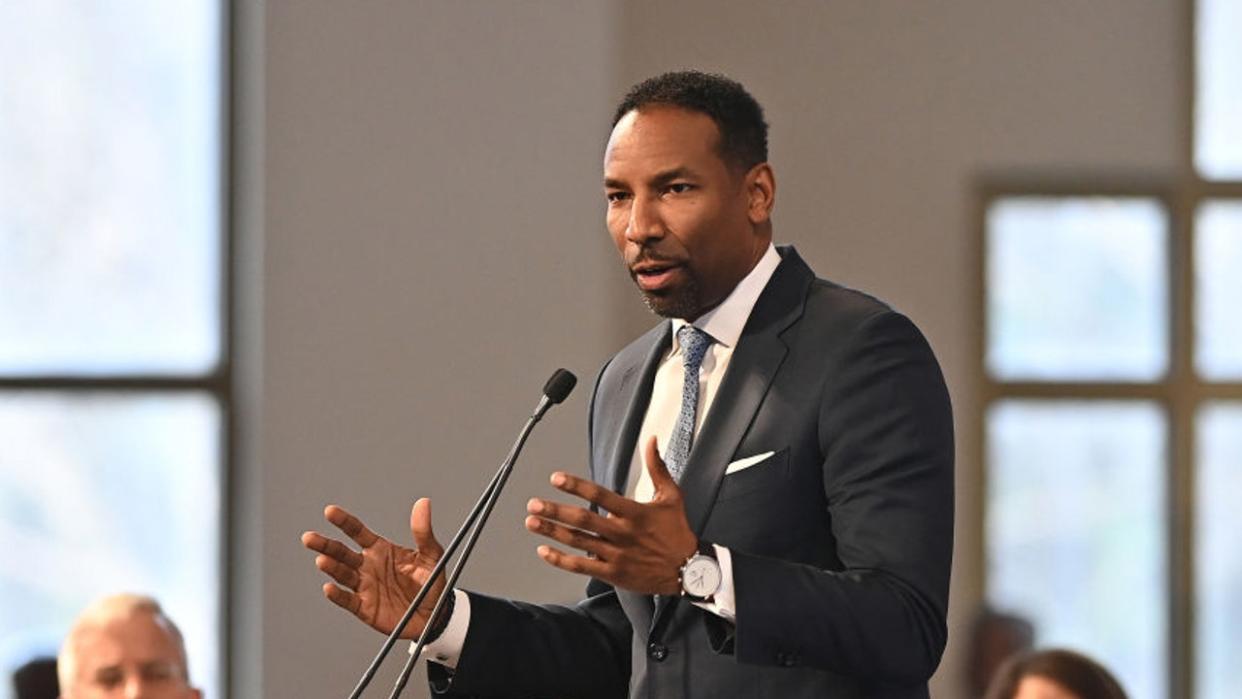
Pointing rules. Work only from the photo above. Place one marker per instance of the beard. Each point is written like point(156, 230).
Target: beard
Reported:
point(684, 302)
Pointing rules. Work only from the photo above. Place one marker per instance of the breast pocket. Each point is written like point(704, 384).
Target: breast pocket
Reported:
point(771, 475)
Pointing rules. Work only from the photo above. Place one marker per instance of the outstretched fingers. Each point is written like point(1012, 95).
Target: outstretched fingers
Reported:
point(595, 546)
point(351, 525)
point(344, 599)
point(575, 517)
point(594, 493)
point(331, 548)
point(338, 571)
point(581, 565)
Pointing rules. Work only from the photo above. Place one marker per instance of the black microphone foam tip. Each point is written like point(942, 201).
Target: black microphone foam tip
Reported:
point(560, 385)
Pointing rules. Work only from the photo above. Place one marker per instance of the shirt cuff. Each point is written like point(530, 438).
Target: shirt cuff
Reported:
point(722, 604)
point(446, 650)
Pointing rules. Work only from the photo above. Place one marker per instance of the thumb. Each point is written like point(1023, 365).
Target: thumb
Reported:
point(420, 527)
point(661, 479)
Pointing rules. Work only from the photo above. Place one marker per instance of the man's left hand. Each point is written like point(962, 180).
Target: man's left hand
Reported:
point(636, 546)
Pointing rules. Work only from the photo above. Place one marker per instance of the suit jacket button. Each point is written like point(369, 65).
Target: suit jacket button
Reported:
point(657, 652)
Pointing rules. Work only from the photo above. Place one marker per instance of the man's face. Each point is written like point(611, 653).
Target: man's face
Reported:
point(130, 658)
point(688, 226)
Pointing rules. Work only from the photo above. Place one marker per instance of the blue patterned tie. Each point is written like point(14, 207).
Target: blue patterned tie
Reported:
point(694, 344)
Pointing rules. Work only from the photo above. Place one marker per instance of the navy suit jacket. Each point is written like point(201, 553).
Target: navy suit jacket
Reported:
point(841, 541)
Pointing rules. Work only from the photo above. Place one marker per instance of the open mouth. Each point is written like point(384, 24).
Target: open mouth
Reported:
point(655, 276)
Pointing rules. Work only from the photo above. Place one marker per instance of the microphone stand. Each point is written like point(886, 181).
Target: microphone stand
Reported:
point(555, 391)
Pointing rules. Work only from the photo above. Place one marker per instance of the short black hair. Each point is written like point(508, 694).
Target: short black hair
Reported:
point(738, 116)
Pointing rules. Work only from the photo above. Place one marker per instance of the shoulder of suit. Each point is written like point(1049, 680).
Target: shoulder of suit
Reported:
point(828, 301)
point(826, 298)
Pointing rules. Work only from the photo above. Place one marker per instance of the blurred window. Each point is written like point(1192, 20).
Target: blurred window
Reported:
point(1078, 288)
point(1111, 429)
point(1218, 289)
point(1111, 408)
point(114, 362)
point(1076, 527)
point(1218, 89)
point(1218, 592)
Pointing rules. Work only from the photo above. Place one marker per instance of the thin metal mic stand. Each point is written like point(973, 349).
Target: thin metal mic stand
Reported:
point(555, 391)
point(501, 477)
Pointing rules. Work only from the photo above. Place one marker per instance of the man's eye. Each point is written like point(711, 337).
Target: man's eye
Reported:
point(109, 679)
point(679, 188)
point(159, 672)
point(616, 196)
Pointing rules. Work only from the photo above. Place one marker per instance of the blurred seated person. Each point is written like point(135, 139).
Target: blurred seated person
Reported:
point(995, 637)
point(36, 680)
point(1054, 674)
point(124, 646)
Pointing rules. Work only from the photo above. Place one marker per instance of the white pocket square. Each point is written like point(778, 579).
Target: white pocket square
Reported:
point(749, 461)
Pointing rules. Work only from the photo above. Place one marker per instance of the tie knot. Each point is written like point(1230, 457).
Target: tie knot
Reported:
point(694, 343)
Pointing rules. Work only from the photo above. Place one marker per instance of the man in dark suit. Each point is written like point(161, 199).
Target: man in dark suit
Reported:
point(770, 504)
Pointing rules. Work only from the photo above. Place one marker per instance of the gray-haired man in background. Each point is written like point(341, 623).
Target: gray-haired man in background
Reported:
point(124, 646)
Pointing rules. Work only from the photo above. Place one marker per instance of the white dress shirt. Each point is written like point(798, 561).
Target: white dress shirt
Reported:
point(724, 324)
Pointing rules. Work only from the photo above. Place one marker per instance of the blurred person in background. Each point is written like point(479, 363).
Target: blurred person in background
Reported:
point(36, 680)
point(1054, 674)
point(994, 638)
point(124, 646)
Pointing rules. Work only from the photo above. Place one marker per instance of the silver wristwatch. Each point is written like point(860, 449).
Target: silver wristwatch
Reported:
point(700, 575)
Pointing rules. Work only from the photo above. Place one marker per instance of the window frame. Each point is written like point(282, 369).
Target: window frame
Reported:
point(1181, 392)
point(217, 382)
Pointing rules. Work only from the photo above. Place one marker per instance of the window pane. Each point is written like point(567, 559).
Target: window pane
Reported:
point(1218, 92)
point(109, 222)
point(1075, 529)
point(107, 494)
point(1218, 576)
point(1218, 290)
point(1077, 289)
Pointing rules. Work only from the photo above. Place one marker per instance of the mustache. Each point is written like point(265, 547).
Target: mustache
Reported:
point(647, 256)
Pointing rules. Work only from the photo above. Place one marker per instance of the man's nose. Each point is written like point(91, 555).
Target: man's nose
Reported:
point(645, 223)
point(136, 688)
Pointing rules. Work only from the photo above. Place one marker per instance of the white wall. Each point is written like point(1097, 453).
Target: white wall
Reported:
point(433, 238)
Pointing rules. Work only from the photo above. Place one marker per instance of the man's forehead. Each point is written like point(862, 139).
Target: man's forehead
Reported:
point(139, 637)
point(97, 647)
point(662, 132)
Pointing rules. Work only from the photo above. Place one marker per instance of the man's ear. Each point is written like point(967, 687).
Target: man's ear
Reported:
point(760, 184)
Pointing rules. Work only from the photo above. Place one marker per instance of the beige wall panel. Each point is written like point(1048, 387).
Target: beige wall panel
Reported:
point(434, 249)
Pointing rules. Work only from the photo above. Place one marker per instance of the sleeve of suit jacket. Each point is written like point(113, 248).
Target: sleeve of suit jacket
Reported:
point(517, 649)
point(886, 439)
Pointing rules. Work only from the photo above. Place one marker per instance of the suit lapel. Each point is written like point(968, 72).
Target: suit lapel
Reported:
point(758, 355)
point(754, 363)
point(632, 397)
point(635, 369)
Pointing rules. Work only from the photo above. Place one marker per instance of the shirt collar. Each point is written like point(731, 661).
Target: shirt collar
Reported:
point(726, 321)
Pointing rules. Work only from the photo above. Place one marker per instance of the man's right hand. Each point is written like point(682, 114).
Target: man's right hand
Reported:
point(377, 584)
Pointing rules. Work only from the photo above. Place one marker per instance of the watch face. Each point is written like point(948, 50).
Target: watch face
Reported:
point(701, 577)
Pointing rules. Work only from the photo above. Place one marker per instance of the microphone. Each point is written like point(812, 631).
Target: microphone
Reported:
point(557, 388)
